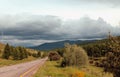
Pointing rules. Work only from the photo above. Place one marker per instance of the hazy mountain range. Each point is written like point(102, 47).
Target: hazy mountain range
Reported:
point(59, 44)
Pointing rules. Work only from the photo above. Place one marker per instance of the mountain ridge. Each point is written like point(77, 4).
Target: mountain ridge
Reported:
point(59, 44)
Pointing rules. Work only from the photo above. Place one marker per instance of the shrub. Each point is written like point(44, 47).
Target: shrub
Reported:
point(74, 56)
point(53, 56)
point(45, 54)
point(91, 62)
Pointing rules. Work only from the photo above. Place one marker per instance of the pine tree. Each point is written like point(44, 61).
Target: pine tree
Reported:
point(39, 54)
point(6, 52)
point(11, 52)
point(23, 53)
point(16, 54)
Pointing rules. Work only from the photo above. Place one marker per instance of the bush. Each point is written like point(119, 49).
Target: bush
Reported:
point(53, 56)
point(91, 62)
point(74, 56)
point(45, 54)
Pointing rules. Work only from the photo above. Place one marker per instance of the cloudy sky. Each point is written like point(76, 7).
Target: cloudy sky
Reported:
point(33, 22)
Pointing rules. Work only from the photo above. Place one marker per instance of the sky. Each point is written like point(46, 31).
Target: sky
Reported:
point(33, 22)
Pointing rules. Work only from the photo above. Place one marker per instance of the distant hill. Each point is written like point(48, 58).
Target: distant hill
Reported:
point(59, 44)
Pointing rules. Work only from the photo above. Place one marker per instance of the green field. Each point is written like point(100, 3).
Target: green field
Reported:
point(51, 68)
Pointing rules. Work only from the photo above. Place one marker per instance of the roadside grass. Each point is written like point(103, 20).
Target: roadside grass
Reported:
point(93, 71)
point(52, 69)
point(4, 62)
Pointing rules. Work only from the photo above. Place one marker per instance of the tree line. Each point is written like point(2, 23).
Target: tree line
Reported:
point(96, 49)
point(17, 53)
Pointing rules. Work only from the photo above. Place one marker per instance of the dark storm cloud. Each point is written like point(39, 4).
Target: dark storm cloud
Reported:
point(35, 27)
point(53, 28)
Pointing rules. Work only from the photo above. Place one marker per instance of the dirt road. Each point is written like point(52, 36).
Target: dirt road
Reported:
point(22, 70)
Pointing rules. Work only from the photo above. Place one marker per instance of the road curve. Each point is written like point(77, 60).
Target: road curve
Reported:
point(22, 70)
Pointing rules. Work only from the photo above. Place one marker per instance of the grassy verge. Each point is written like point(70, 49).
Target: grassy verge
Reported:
point(52, 69)
point(92, 71)
point(4, 62)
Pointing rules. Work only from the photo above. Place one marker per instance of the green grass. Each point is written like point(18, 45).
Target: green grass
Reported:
point(4, 62)
point(51, 68)
point(93, 71)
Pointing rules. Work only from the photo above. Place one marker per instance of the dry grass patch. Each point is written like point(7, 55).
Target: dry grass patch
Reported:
point(4, 62)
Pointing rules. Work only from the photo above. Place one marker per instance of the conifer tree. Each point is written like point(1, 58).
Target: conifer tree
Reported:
point(39, 54)
point(16, 54)
point(6, 52)
point(25, 53)
point(21, 53)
